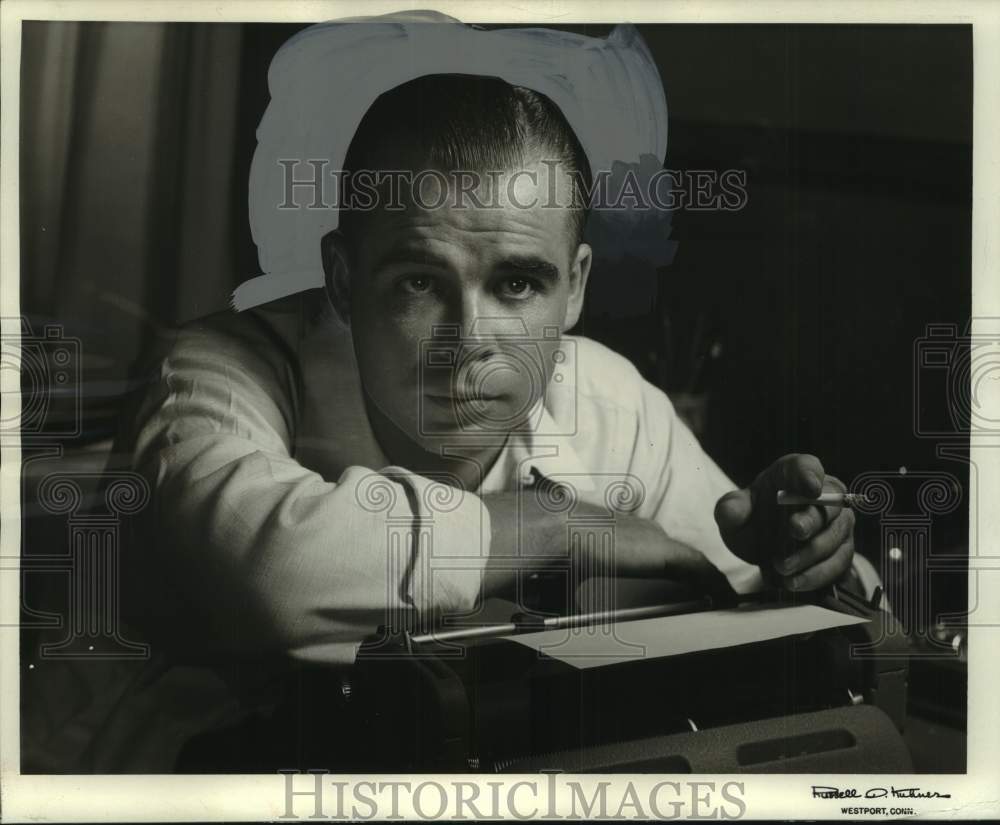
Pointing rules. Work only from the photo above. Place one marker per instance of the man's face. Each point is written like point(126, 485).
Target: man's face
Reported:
point(456, 311)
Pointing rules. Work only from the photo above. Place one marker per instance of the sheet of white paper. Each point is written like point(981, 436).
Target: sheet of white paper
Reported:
point(673, 635)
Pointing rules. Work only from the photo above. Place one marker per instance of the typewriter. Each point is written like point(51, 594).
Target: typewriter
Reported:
point(478, 699)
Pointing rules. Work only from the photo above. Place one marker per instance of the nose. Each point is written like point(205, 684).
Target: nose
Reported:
point(483, 327)
point(469, 311)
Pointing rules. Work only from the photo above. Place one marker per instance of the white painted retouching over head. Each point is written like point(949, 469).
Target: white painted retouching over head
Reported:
point(324, 79)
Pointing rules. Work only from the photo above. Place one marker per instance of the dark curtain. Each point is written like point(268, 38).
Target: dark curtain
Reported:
point(127, 181)
point(128, 186)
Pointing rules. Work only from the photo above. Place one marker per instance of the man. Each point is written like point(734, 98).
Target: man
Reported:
point(386, 450)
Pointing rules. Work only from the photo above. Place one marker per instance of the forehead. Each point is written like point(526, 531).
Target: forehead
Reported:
point(466, 216)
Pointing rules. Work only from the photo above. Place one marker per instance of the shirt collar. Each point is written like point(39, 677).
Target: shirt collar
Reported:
point(543, 447)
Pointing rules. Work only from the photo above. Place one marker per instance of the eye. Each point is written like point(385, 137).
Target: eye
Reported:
point(518, 288)
point(415, 284)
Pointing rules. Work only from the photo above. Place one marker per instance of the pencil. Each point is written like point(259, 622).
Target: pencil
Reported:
point(786, 499)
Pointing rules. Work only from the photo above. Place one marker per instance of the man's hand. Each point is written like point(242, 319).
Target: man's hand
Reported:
point(528, 537)
point(807, 547)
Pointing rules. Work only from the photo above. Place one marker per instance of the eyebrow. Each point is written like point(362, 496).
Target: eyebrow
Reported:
point(529, 265)
point(516, 264)
point(408, 257)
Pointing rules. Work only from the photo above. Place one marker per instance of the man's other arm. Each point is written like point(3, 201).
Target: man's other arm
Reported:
point(684, 484)
point(744, 532)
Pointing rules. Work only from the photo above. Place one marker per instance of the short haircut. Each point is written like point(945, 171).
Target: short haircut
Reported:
point(465, 123)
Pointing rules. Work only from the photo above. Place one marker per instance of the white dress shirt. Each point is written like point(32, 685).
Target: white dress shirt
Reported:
point(278, 526)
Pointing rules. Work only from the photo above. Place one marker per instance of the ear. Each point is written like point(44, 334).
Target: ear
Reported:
point(578, 274)
point(337, 273)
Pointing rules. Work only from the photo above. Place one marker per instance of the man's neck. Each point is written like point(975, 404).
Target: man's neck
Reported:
point(467, 462)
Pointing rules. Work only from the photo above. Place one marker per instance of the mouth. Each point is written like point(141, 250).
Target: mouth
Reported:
point(450, 401)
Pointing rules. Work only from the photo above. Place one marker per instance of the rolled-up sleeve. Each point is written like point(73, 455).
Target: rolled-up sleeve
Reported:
point(248, 551)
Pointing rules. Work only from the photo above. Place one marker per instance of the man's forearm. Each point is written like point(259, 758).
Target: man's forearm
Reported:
point(527, 537)
point(524, 538)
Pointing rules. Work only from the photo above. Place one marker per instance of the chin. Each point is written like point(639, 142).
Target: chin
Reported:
point(455, 436)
